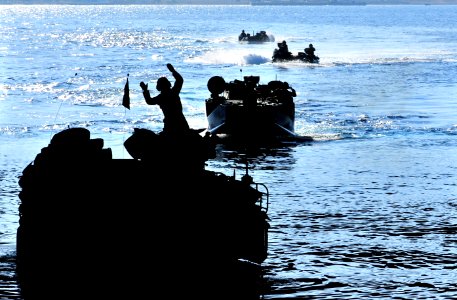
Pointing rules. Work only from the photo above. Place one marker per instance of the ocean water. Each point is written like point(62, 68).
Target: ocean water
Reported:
point(368, 210)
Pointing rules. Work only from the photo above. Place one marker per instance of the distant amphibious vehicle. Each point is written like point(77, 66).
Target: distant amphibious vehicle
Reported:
point(259, 37)
point(300, 56)
point(282, 54)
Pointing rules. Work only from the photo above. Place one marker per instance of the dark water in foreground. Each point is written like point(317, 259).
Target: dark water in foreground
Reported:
point(353, 232)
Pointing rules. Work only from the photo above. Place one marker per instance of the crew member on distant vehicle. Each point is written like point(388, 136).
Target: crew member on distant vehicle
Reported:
point(283, 51)
point(242, 35)
point(310, 51)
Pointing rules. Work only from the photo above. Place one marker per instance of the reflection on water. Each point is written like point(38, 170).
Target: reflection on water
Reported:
point(372, 219)
point(8, 281)
point(344, 222)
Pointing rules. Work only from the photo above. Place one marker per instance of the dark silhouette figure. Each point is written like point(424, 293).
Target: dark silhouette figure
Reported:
point(282, 52)
point(176, 134)
point(284, 49)
point(169, 101)
point(282, 91)
point(310, 51)
point(242, 35)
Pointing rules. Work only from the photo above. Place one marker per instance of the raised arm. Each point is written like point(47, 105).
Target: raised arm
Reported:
point(147, 96)
point(178, 78)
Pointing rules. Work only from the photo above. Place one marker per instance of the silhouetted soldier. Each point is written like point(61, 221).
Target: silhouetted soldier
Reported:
point(169, 101)
point(283, 50)
point(310, 51)
point(242, 35)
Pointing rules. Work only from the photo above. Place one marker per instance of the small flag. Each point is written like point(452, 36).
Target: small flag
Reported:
point(126, 99)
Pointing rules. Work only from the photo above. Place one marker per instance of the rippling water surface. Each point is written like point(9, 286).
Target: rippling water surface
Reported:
point(366, 211)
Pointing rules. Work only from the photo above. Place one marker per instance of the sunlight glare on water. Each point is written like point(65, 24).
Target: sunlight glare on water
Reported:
point(365, 211)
